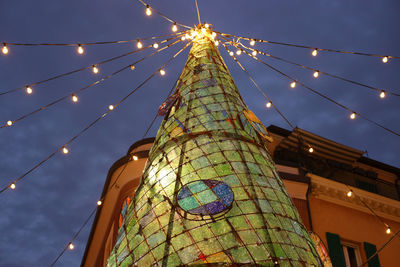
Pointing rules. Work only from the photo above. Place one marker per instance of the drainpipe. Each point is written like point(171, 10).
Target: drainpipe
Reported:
point(308, 205)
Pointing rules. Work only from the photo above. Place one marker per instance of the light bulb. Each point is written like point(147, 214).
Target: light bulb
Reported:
point(315, 52)
point(183, 38)
point(139, 44)
point(174, 27)
point(213, 35)
point(216, 43)
point(155, 45)
point(207, 25)
point(71, 246)
point(132, 67)
point(382, 94)
point(187, 36)
point(12, 186)
point(135, 158)
point(311, 150)
point(353, 115)
point(388, 230)
point(385, 59)
point(80, 50)
point(252, 42)
point(231, 54)
point(9, 123)
point(269, 104)
point(5, 49)
point(74, 98)
point(203, 30)
point(238, 52)
point(162, 72)
point(28, 90)
point(148, 10)
point(110, 107)
point(99, 203)
point(350, 193)
point(95, 69)
point(254, 53)
point(316, 74)
point(65, 150)
point(293, 84)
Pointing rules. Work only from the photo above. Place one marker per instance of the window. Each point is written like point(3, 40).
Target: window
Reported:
point(351, 255)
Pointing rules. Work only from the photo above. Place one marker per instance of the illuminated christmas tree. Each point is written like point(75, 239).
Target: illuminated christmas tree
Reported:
point(210, 192)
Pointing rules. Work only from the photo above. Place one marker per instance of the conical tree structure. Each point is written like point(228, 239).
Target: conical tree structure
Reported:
point(210, 192)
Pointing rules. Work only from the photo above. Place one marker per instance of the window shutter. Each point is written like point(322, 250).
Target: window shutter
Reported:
point(335, 250)
point(370, 249)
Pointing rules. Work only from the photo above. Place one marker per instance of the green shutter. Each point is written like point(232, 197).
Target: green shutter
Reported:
point(335, 250)
point(370, 249)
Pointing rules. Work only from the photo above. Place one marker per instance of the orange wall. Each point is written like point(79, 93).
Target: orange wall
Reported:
point(356, 227)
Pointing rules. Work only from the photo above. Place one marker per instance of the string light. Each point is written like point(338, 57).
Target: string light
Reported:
point(388, 230)
point(95, 69)
point(315, 52)
point(139, 44)
point(382, 94)
point(5, 49)
point(349, 193)
point(269, 104)
point(216, 43)
point(231, 53)
point(207, 25)
point(71, 246)
point(74, 98)
point(162, 72)
point(148, 10)
point(9, 123)
point(99, 203)
point(80, 49)
point(213, 35)
point(132, 67)
point(12, 186)
point(187, 36)
point(28, 90)
point(174, 27)
point(155, 45)
point(183, 38)
point(353, 115)
point(135, 158)
point(385, 59)
point(238, 52)
point(203, 30)
point(311, 150)
point(254, 53)
point(110, 107)
point(65, 150)
point(293, 84)
point(252, 42)
point(316, 74)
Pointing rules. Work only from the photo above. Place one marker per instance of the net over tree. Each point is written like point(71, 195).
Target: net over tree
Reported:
point(210, 192)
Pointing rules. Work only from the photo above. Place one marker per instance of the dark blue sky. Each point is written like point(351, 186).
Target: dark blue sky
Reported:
point(49, 205)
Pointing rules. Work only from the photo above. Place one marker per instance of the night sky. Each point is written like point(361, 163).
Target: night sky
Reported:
point(40, 217)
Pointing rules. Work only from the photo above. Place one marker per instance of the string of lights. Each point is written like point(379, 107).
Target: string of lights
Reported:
point(353, 114)
point(74, 95)
point(382, 93)
point(384, 58)
point(64, 148)
point(29, 90)
point(71, 245)
point(150, 10)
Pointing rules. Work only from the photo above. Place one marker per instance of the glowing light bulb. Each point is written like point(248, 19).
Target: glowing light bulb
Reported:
point(268, 105)
point(155, 45)
point(252, 42)
point(12, 186)
point(311, 150)
point(315, 52)
point(139, 44)
point(74, 98)
point(214, 34)
point(238, 52)
point(254, 53)
point(385, 59)
point(5, 49)
point(183, 38)
point(148, 10)
point(80, 50)
point(110, 107)
point(353, 115)
point(216, 43)
point(95, 69)
point(99, 203)
point(382, 94)
point(207, 25)
point(316, 74)
point(231, 54)
point(293, 84)
point(203, 30)
point(350, 193)
point(388, 230)
point(174, 27)
point(28, 90)
point(187, 36)
point(65, 150)
point(162, 72)
point(71, 246)
point(132, 67)
point(135, 158)
point(9, 123)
